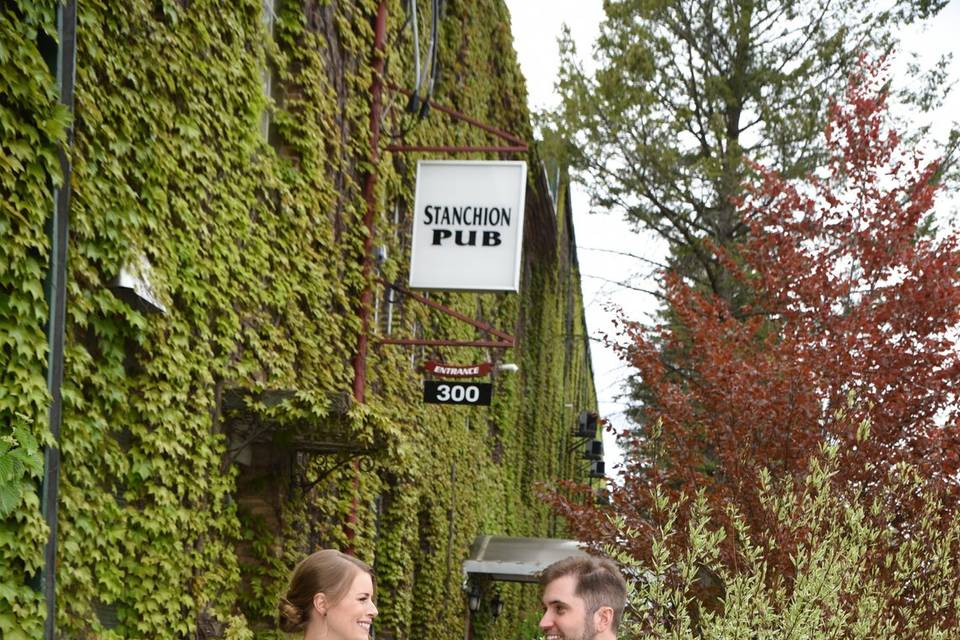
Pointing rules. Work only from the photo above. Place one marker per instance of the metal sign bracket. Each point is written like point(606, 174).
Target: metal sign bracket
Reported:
point(515, 143)
point(506, 340)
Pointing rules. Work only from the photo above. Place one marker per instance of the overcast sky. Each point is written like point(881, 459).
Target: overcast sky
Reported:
point(536, 25)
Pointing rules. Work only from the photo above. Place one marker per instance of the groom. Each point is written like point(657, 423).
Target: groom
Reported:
point(583, 599)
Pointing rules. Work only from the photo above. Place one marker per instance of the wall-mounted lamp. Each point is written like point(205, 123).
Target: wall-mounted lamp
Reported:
point(134, 286)
point(473, 597)
point(593, 450)
point(380, 256)
point(508, 366)
point(587, 425)
point(597, 469)
point(496, 606)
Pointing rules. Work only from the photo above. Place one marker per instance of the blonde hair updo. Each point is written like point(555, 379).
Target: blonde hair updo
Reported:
point(328, 572)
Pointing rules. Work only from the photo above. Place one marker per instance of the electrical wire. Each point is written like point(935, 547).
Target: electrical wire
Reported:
point(411, 17)
point(425, 73)
point(434, 45)
point(413, 105)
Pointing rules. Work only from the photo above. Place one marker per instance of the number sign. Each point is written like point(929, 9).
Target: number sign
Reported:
point(441, 392)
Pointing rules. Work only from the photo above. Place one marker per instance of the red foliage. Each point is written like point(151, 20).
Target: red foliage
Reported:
point(846, 298)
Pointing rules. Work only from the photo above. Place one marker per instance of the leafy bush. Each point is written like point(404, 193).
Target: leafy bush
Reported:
point(835, 587)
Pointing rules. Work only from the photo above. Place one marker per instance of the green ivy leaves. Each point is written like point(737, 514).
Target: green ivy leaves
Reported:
point(32, 125)
point(21, 464)
point(256, 247)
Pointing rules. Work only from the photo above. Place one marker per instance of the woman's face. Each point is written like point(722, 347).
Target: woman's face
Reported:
point(352, 617)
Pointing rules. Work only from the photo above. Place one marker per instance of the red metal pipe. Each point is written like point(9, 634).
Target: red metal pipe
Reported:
point(406, 148)
point(483, 326)
point(369, 195)
point(500, 133)
point(505, 344)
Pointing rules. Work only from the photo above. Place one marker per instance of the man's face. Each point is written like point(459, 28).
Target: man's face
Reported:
point(565, 614)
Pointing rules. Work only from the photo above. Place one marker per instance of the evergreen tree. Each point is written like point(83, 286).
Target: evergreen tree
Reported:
point(686, 89)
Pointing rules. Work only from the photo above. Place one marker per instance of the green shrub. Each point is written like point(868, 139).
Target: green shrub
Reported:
point(855, 569)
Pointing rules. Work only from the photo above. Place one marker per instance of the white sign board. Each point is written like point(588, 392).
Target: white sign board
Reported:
point(468, 225)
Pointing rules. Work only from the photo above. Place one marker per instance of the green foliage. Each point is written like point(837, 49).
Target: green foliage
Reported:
point(22, 530)
point(833, 588)
point(21, 463)
point(32, 125)
point(254, 244)
point(528, 629)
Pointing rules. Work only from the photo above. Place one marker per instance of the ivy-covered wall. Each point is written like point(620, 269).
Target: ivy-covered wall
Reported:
point(220, 151)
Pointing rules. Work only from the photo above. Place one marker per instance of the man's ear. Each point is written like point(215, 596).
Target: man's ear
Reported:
point(603, 619)
point(320, 604)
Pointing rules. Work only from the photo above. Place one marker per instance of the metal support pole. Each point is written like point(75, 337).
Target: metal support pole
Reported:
point(483, 326)
point(370, 196)
point(405, 148)
point(56, 290)
point(489, 344)
point(369, 220)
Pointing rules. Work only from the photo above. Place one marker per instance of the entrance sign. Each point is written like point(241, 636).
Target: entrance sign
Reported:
point(468, 225)
point(440, 392)
point(445, 370)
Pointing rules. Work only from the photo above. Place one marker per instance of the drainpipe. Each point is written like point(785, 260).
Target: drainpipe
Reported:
point(64, 65)
point(370, 196)
point(369, 220)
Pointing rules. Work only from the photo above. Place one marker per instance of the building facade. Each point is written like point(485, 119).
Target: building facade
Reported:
point(221, 268)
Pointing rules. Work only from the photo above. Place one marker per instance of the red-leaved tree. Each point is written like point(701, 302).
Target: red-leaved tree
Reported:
point(846, 336)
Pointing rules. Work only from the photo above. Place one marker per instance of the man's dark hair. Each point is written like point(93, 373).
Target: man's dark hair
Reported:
point(599, 583)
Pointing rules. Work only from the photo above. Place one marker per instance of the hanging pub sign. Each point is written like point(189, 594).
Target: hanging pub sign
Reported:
point(442, 392)
point(468, 225)
point(457, 370)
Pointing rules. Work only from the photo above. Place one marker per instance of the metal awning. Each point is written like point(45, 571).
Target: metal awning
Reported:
point(517, 559)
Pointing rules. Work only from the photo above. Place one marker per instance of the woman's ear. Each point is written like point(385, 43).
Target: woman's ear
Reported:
point(603, 619)
point(320, 604)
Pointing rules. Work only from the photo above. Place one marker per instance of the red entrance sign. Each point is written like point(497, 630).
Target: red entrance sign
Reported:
point(457, 370)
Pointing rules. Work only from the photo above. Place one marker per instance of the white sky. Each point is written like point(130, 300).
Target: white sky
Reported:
point(536, 26)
